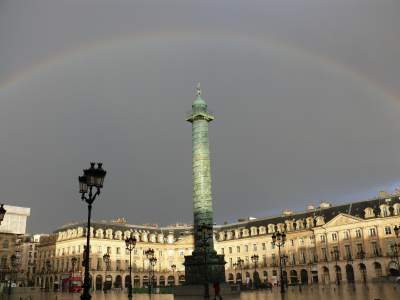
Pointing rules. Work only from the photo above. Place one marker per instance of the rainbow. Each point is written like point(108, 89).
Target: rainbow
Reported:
point(256, 40)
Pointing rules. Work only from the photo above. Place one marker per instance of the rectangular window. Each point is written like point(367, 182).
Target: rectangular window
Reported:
point(358, 233)
point(118, 250)
point(372, 232)
point(348, 251)
point(254, 247)
point(334, 237)
point(230, 250)
point(388, 230)
point(246, 248)
point(375, 249)
point(263, 246)
point(238, 249)
point(118, 265)
point(346, 235)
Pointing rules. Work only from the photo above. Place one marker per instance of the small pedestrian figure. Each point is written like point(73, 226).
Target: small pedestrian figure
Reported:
point(217, 290)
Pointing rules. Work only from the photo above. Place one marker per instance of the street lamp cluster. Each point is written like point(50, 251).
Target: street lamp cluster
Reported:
point(152, 262)
point(90, 185)
point(130, 243)
point(239, 264)
point(279, 240)
point(395, 247)
point(107, 262)
point(336, 256)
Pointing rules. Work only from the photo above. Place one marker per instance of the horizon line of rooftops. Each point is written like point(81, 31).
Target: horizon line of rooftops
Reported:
point(285, 213)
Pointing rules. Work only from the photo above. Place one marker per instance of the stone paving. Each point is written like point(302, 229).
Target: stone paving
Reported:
point(346, 292)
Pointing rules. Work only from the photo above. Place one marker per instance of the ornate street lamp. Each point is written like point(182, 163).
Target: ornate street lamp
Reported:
point(173, 267)
point(279, 240)
point(2, 213)
point(395, 247)
point(90, 185)
point(152, 262)
point(107, 261)
point(205, 231)
point(335, 254)
point(13, 268)
point(240, 264)
point(130, 243)
point(254, 259)
point(73, 262)
point(361, 255)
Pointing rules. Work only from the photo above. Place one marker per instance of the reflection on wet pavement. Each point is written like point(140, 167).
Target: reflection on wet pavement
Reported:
point(345, 292)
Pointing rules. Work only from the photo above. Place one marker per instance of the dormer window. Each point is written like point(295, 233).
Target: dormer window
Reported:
point(271, 228)
point(310, 222)
point(369, 213)
point(396, 209)
point(384, 210)
point(320, 221)
point(299, 224)
point(289, 225)
point(254, 231)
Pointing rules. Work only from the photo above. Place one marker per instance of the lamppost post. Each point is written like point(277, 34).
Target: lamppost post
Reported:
point(335, 255)
point(173, 267)
point(396, 246)
point(152, 262)
point(240, 263)
point(279, 240)
point(13, 259)
point(48, 269)
point(106, 259)
point(130, 243)
point(361, 255)
point(73, 261)
point(90, 185)
point(254, 259)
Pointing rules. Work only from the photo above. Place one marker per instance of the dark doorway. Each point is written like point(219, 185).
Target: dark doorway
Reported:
point(304, 277)
point(349, 273)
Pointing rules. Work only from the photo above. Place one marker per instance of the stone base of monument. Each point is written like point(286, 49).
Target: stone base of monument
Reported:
point(196, 292)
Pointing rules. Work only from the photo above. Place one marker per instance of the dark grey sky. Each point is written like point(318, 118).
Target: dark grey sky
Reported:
point(306, 95)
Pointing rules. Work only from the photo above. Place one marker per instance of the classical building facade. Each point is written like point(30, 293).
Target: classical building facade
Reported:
point(12, 230)
point(324, 244)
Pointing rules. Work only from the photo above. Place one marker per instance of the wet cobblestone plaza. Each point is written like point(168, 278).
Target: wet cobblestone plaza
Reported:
point(346, 292)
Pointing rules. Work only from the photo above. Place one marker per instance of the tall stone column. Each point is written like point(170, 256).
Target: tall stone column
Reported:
point(204, 258)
